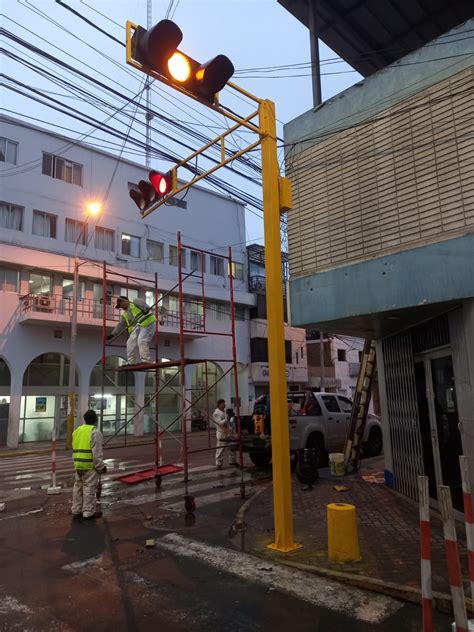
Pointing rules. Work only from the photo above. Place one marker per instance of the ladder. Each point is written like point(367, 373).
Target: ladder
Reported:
point(360, 408)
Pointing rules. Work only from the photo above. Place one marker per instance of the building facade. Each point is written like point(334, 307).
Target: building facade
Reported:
point(295, 337)
point(47, 182)
point(381, 243)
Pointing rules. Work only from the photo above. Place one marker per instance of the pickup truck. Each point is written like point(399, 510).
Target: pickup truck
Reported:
point(322, 427)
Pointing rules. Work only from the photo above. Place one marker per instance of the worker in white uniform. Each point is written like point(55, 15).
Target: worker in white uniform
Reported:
point(222, 432)
point(88, 457)
point(139, 321)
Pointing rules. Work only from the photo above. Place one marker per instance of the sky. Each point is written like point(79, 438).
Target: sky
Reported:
point(253, 34)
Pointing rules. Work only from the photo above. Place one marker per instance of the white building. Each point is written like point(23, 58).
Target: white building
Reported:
point(47, 181)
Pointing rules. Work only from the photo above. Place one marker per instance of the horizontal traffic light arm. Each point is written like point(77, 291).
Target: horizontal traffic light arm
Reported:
point(205, 174)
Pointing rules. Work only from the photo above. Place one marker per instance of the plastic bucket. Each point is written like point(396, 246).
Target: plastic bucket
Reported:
point(336, 464)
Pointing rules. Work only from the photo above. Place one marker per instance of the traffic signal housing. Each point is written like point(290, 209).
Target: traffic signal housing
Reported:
point(148, 192)
point(156, 50)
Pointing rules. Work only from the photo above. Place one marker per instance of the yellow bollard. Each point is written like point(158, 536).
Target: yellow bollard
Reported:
point(343, 539)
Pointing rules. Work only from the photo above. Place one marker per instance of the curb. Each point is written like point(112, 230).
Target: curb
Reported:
point(442, 602)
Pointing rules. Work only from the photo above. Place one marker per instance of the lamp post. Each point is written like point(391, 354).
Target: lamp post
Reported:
point(93, 210)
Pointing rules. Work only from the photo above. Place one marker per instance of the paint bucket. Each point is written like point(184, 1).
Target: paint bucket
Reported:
point(336, 464)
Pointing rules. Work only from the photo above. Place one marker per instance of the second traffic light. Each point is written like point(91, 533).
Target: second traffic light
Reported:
point(157, 50)
point(149, 192)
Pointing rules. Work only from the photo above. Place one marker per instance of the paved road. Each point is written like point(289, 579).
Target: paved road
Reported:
point(59, 575)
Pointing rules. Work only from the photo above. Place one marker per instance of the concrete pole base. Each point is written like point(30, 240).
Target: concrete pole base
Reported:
point(54, 490)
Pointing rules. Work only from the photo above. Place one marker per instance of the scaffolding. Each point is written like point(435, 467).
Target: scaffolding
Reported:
point(196, 324)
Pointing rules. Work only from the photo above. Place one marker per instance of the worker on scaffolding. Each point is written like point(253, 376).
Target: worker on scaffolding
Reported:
point(223, 434)
point(139, 321)
point(88, 457)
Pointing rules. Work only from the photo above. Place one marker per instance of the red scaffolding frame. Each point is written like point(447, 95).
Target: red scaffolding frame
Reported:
point(187, 325)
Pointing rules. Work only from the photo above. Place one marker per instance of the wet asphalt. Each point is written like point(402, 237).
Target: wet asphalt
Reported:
point(58, 574)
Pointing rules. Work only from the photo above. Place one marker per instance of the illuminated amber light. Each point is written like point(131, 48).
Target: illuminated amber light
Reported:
point(179, 67)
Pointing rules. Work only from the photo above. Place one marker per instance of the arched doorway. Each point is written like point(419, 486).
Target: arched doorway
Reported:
point(44, 397)
point(242, 374)
point(168, 399)
point(4, 400)
point(115, 404)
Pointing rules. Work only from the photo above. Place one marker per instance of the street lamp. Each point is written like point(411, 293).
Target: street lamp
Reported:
point(93, 209)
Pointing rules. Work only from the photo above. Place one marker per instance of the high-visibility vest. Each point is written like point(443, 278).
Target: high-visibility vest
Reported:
point(139, 318)
point(81, 447)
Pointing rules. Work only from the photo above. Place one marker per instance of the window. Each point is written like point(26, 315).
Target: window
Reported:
point(104, 238)
point(11, 216)
point(8, 151)
point(130, 293)
point(155, 250)
point(173, 256)
point(222, 311)
point(302, 352)
point(239, 312)
point(40, 284)
point(259, 350)
point(44, 224)
point(297, 357)
point(62, 169)
point(237, 271)
point(217, 266)
point(331, 404)
point(68, 289)
point(341, 355)
point(76, 232)
point(130, 245)
point(198, 261)
point(345, 404)
point(9, 279)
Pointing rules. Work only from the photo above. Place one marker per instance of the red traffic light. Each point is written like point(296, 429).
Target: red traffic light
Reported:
point(162, 183)
point(147, 193)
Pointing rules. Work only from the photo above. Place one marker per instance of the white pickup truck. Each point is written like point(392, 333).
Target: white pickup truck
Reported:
point(324, 427)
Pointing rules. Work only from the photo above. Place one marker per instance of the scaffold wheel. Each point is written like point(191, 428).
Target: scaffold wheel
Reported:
point(158, 480)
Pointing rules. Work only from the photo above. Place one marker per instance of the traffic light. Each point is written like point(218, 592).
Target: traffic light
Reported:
point(147, 193)
point(157, 51)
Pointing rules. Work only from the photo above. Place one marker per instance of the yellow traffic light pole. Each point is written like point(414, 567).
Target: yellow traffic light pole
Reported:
point(276, 199)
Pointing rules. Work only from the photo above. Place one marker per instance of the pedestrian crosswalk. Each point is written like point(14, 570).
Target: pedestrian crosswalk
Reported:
point(35, 471)
point(206, 484)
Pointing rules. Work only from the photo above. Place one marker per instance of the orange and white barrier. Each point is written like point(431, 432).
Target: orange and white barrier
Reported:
point(425, 529)
point(468, 518)
point(452, 555)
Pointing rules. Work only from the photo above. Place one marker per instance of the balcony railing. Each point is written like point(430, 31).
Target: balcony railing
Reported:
point(258, 283)
point(88, 308)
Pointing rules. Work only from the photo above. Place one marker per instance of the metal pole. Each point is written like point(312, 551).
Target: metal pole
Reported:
point(158, 457)
point(236, 374)
point(314, 45)
point(72, 358)
point(282, 495)
point(148, 114)
point(182, 364)
point(321, 361)
point(104, 339)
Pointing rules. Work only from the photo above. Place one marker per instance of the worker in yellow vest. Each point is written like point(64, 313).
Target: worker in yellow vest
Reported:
point(139, 321)
point(88, 457)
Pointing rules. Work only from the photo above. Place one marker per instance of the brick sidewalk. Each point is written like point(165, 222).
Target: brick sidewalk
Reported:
point(388, 527)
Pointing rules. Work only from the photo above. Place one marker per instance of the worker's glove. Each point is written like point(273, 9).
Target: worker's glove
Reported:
point(109, 336)
point(104, 470)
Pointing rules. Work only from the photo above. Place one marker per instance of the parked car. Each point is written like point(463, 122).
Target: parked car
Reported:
point(318, 421)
